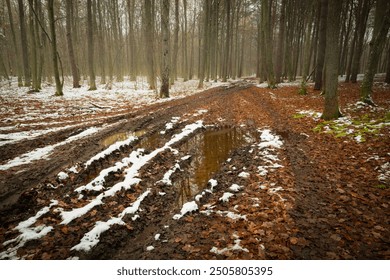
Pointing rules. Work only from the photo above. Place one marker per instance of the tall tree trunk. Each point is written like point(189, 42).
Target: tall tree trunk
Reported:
point(387, 79)
point(33, 48)
point(331, 108)
point(164, 92)
point(132, 43)
point(148, 31)
point(185, 36)
point(23, 38)
point(72, 59)
point(92, 78)
point(175, 44)
point(280, 49)
point(267, 38)
point(381, 27)
point(204, 53)
point(227, 42)
point(15, 44)
point(361, 23)
point(50, 5)
point(321, 45)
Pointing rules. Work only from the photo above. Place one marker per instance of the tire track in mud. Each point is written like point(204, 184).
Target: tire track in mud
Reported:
point(38, 191)
point(150, 118)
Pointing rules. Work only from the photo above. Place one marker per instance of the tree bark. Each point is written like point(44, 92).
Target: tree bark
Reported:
point(23, 38)
point(361, 23)
point(321, 45)
point(280, 49)
point(164, 92)
point(92, 78)
point(16, 47)
point(50, 4)
point(331, 108)
point(387, 79)
point(381, 27)
point(72, 59)
point(149, 40)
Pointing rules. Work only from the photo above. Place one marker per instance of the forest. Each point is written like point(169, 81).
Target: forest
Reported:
point(214, 129)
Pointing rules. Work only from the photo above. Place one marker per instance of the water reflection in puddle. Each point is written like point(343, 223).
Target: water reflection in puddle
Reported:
point(121, 136)
point(211, 149)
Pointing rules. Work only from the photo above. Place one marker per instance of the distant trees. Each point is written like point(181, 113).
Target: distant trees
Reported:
point(275, 40)
point(164, 92)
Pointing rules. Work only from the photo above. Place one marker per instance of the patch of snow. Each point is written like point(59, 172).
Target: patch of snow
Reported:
point(166, 179)
point(114, 147)
point(213, 183)
point(62, 176)
point(235, 188)
point(244, 175)
point(27, 233)
point(157, 236)
point(236, 247)
point(149, 248)
point(187, 208)
point(131, 175)
point(45, 152)
point(226, 196)
point(73, 169)
point(91, 238)
point(269, 140)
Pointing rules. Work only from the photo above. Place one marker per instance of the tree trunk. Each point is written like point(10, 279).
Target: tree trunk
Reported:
point(185, 36)
point(72, 59)
point(361, 23)
point(15, 45)
point(23, 38)
point(92, 79)
point(175, 44)
point(132, 43)
point(321, 45)
point(381, 27)
point(149, 40)
point(50, 4)
point(331, 108)
point(267, 38)
point(280, 49)
point(227, 42)
point(164, 92)
point(204, 53)
point(33, 49)
point(387, 79)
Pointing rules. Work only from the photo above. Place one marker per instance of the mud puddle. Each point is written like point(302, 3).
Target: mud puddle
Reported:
point(209, 151)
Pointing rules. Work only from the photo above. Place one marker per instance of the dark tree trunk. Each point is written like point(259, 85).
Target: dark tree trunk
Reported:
point(164, 92)
point(72, 59)
point(381, 27)
point(23, 38)
point(92, 82)
point(15, 44)
point(331, 108)
point(50, 5)
point(321, 45)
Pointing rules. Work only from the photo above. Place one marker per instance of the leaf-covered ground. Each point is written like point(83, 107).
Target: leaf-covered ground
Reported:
point(234, 172)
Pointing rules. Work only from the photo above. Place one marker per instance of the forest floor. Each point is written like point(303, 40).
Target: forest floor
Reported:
point(233, 172)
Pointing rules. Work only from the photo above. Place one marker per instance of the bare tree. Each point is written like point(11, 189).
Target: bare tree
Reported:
point(59, 84)
point(23, 39)
point(331, 107)
point(381, 27)
point(92, 82)
point(164, 92)
point(69, 40)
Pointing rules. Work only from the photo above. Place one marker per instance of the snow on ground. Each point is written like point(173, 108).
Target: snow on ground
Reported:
point(187, 207)
point(45, 152)
point(28, 115)
point(138, 161)
point(27, 232)
point(91, 238)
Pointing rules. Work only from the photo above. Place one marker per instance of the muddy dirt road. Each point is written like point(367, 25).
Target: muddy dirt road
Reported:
point(224, 174)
